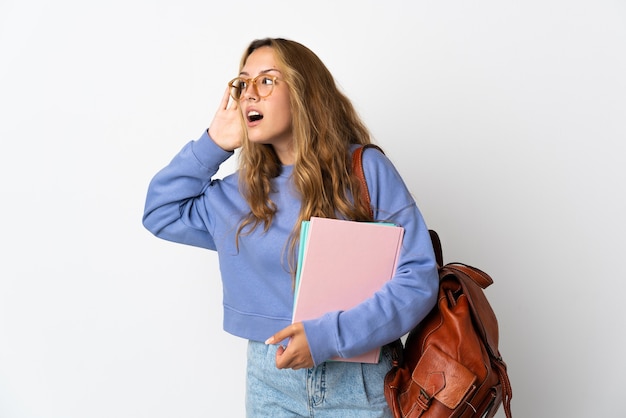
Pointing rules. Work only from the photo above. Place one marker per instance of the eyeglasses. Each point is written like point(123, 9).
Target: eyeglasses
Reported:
point(263, 86)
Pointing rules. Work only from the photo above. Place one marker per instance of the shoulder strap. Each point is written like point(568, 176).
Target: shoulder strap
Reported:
point(357, 169)
point(434, 237)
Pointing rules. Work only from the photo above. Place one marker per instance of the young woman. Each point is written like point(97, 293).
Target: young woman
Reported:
point(296, 132)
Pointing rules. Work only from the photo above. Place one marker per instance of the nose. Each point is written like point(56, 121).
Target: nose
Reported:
point(250, 92)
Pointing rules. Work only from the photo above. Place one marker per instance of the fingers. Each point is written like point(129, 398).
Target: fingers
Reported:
point(225, 99)
point(283, 334)
point(297, 354)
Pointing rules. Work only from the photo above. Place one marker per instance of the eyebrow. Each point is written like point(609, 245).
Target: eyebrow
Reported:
point(262, 72)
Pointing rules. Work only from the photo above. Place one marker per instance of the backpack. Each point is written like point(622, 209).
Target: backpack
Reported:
point(449, 365)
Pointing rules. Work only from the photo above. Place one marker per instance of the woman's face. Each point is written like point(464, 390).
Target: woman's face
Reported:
point(268, 119)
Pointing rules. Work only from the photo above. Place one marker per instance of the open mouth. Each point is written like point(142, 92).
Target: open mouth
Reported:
point(254, 116)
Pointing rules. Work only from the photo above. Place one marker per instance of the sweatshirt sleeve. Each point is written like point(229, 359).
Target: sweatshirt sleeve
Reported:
point(174, 208)
point(406, 299)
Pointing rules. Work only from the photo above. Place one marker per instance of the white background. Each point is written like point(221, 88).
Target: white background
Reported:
point(507, 120)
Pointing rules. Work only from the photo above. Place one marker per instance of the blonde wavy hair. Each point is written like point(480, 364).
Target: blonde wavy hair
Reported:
point(324, 124)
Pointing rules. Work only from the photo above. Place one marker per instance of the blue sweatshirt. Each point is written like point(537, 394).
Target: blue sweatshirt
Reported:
point(185, 204)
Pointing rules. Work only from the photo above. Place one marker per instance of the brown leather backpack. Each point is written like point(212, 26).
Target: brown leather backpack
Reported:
point(450, 365)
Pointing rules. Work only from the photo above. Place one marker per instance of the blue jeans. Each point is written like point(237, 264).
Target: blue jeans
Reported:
point(332, 389)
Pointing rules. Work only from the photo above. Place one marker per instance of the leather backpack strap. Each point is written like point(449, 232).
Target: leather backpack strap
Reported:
point(507, 392)
point(434, 237)
point(357, 169)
